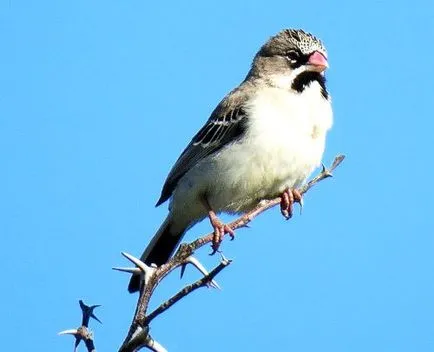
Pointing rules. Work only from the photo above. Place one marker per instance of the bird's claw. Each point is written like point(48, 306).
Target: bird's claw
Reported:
point(220, 230)
point(289, 197)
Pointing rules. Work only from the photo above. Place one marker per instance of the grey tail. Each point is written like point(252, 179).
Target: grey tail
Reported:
point(159, 250)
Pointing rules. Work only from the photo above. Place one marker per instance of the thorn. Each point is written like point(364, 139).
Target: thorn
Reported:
point(155, 346)
point(183, 269)
point(215, 285)
point(301, 202)
point(75, 333)
point(197, 264)
point(146, 271)
point(88, 313)
point(192, 260)
point(68, 332)
point(224, 260)
point(134, 271)
point(94, 317)
point(324, 169)
point(77, 342)
point(136, 261)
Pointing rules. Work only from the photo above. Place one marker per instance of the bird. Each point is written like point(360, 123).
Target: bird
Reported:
point(263, 140)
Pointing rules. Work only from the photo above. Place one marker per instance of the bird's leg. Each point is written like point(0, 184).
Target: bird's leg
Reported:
point(220, 229)
point(289, 197)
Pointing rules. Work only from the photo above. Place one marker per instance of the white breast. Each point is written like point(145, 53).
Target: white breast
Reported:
point(290, 130)
point(284, 144)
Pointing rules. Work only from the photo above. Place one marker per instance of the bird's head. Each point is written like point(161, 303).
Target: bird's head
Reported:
point(288, 54)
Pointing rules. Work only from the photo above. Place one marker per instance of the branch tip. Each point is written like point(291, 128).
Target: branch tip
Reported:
point(337, 161)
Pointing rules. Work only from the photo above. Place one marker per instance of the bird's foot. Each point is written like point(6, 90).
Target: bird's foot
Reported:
point(289, 197)
point(220, 229)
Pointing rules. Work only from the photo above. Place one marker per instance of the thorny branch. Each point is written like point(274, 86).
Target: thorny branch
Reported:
point(186, 290)
point(138, 335)
point(83, 333)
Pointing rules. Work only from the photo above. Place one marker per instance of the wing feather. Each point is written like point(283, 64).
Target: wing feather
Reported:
point(225, 125)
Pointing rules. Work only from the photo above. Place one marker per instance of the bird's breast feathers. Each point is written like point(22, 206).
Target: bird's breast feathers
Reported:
point(284, 143)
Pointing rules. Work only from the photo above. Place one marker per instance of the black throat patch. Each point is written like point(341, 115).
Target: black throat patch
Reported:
point(305, 78)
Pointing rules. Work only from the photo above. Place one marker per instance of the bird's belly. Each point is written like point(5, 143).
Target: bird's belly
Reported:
point(239, 176)
point(244, 174)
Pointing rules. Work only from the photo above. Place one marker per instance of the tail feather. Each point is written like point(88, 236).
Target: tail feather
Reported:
point(159, 250)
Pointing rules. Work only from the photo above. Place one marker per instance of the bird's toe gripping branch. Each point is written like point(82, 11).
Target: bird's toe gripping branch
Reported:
point(289, 197)
point(220, 229)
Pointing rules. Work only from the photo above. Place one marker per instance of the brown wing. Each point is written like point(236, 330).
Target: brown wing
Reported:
point(226, 125)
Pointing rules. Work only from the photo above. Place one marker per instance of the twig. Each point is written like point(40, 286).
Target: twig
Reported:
point(187, 290)
point(83, 333)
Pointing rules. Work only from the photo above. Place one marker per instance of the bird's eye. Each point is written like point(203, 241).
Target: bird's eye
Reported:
point(292, 56)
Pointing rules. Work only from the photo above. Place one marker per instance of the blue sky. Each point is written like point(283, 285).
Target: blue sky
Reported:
point(97, 100)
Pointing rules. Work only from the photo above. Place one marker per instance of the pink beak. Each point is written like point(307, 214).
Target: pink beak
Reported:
point(318, 62)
